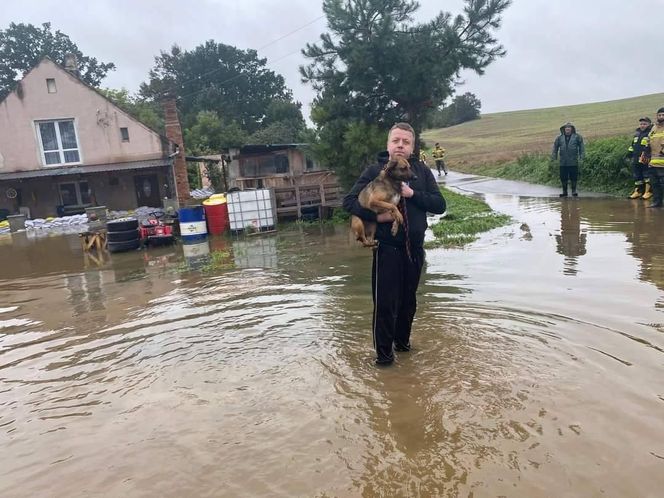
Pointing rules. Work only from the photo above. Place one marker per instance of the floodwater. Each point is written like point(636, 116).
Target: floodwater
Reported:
point(243, 367)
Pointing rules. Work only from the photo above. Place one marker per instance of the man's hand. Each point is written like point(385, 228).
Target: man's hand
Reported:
point(406, 191)
point(385, 217)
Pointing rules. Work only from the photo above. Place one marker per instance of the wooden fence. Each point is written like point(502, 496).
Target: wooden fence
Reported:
point(292, 200)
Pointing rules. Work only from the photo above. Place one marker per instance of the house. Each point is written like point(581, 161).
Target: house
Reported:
point(274, 165)
point(65, 147)
point(300, 184)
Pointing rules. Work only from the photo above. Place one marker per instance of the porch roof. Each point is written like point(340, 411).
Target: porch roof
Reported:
point(83, 170)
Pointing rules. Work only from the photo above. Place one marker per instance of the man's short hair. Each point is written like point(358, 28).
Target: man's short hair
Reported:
point(646, 120)
point(402, 126)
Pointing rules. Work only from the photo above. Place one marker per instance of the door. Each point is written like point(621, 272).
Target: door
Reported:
point(147, 190)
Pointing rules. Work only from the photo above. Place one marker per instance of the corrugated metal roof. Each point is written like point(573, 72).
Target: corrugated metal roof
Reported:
point(84, 170)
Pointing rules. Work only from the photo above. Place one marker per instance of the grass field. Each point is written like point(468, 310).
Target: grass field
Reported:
point(504, 136)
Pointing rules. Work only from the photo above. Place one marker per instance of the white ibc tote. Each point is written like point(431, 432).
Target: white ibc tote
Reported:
point(252, 209)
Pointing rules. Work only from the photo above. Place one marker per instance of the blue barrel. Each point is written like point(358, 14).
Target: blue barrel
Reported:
point(192, 224)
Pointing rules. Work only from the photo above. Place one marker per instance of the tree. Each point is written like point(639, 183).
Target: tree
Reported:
point(148, 113)
point(283, 124)
point(210, 134)
point(466, 108)
point(377, 66)
point(234, 83)
point(22, 46)
point(463, 108)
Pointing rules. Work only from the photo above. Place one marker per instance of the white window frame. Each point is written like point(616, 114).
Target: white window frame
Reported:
point(60, 150)
point(51, 87)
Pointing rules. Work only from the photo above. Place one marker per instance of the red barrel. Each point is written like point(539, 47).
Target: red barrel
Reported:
point(216, 214)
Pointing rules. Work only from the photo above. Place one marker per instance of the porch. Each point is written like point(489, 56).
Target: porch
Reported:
point(296, 200)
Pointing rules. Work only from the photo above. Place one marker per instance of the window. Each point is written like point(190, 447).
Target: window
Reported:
point(258, 166)
point(58, 142)
point(124, 133)
point(50, 85)
point(75, 193)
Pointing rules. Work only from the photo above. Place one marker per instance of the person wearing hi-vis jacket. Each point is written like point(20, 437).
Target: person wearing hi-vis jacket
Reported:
point(656, 166)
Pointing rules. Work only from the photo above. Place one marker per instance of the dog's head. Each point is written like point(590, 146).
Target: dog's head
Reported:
point(399, 169)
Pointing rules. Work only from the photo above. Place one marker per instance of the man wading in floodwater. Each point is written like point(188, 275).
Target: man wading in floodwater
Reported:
point(570, 146)
point(397, 261)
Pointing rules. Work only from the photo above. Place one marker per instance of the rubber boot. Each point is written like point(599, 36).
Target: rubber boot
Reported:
point(574, 192)
point(564, 194)
point(657, 194)
point(638, 192)
point(647, 193)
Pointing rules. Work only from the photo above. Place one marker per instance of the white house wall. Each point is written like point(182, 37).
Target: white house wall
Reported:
point(97, 123)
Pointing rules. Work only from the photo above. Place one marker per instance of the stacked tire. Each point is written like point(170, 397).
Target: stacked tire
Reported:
point(122, 235)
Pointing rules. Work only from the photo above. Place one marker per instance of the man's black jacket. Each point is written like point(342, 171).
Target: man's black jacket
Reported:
point(426, 198)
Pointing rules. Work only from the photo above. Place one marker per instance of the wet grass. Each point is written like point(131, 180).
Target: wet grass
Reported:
point(504, 136)
point(466, 218)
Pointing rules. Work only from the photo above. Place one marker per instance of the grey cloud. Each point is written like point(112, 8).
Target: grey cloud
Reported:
point(559, 52)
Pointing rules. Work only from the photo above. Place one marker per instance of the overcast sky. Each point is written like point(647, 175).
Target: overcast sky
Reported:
point(559, 52)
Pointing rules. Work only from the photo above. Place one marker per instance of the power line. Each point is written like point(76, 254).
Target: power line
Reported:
point(288, 34)
point(236, 76)
point(260, 48)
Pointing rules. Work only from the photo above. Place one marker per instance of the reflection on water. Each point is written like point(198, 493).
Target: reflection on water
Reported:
point(243, 367)
point(571, 240)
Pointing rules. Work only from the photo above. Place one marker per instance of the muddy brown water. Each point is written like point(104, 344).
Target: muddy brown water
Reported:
point(536, 369)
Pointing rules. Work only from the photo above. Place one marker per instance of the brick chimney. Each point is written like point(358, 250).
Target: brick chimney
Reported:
point(71, 64)
point(174, 134)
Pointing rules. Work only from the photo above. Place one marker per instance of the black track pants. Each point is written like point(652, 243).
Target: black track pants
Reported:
point(394, 281)
point(570, 173)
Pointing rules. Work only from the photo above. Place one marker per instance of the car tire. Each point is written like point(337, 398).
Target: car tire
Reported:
point(122, 225)
point(123, 236)
point(127, 245)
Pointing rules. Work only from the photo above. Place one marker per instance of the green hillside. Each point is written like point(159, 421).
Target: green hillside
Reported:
point(503, 136)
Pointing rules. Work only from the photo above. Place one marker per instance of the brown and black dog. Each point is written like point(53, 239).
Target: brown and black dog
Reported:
point(381, 195)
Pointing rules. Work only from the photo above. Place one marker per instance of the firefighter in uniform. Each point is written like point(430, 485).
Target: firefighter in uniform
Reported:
point(438, 154)
point(656, 166)
point(637, 152)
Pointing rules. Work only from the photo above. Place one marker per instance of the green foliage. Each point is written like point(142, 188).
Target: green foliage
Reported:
point(194, 176)
point(22, 46)
point(357, 147)
point(339, 215)
point(280, 132)
point(604, 168)
point(148, 113)
point(378, 66)
point(284, 111)
point(214, 173)
point(234, 83)
point(466, 218)
point(463, 108)
point(209, 134)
